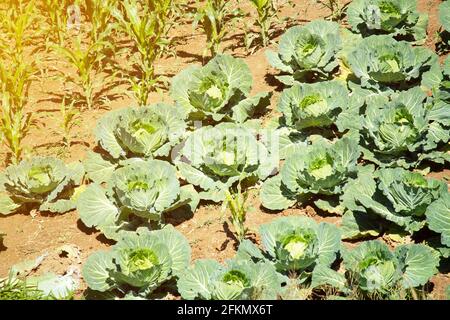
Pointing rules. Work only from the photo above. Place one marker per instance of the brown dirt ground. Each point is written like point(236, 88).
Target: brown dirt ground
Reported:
point(208, 231)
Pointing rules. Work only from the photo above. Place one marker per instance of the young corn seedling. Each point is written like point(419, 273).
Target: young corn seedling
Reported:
point(266, 12)
point(15, 24)
point(336, 8)
point(145, 23)
point(236, 203)
point(14, 126)
point(55, 11)
point(213, 17)
point(15, 80)
point(99, 15)
point(70, 118)
point(86, 59)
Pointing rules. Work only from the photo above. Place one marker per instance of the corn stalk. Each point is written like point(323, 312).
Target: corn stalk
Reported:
point(336, 8)
point(55, 11)
point(236, 203)
point(15, 23)
point(14, 126)
point(146, 24)
point(69, 116)
point(211, 17)
point(266, 10)
point(86, 59)
point(15, 82)
point(99, 15)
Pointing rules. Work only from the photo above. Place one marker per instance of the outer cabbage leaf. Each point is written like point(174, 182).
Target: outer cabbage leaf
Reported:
point(438, 217)
point(444, 17)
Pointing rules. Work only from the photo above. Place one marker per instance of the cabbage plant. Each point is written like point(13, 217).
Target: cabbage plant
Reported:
point(43, 183)
point(317, 105)
point(307, 52)
point(238, 279)
point(444, 17)
point(404, 129)
point(398, 18)
point(379, 272)
point(438, 218)
point(322, 168)
point(399, 196)
point(218, 158)
point(442, 93)
point(138, 263)
point(220, 90)
point(296, 246)
point(130, 133)
point(134, 195)
point(381, 63)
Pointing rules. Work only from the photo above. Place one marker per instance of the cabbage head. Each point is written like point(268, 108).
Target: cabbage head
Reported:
point(126, 134)
point(216, 158)
point(239, 279)
point(404, 129)
point(322, 168)
point(138, 263)
point(396, 195)
point(397, 18)
point(317, 105)
point(43, 183)
point(220, 90)
point(296, 246)
point(378, 272)
point(134, 195)
point(307, 53)
point(382, 63)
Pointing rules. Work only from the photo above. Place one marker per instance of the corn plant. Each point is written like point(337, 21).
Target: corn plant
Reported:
point(12, 288)
point(336, 8)
point(86, 59)
point(266, 11)
point(70, 116)
point(15, 22)
point(99, 14)
point(236, 203)
point(145, 23)
point(214, 17)
point(55, 11)
point(15, 81)
point(14, 126)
